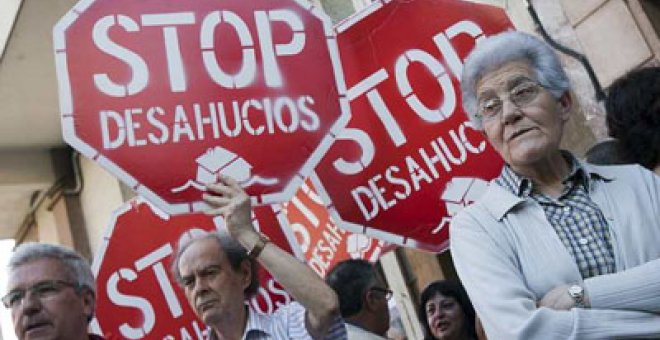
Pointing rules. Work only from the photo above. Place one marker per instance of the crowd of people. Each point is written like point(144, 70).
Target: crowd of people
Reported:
point(557, 248)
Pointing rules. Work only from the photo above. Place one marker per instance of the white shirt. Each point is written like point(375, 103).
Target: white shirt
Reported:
point(288, 322)
point(359, 333)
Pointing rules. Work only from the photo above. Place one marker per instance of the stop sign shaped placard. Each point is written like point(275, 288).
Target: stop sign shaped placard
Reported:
point(137, 297)
point(410, 159)
point(167, 95)
point(322, 243)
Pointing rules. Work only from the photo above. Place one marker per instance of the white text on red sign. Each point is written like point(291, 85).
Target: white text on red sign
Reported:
point(192, 122)
point(155, 261)
point(408, 175)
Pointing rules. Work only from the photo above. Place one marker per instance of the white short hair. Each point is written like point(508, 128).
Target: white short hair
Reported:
point(500, 49)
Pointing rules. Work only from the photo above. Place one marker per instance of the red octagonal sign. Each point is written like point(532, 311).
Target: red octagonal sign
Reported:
point(409, 160)
point(166, 95)
point(137, 298)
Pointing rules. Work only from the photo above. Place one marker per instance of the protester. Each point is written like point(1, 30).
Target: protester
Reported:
point(51, 293)
point(555, 248)
point(218, 276)
point(446, 312)
point(363, 299)
point(633, 116)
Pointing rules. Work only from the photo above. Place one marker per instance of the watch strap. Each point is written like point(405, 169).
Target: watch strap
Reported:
point(259, 246)
point(576, 292)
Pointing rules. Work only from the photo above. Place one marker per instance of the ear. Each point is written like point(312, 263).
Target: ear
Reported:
point(89, 303)
point(565, 103)
point(370, 301)
point(246, 274)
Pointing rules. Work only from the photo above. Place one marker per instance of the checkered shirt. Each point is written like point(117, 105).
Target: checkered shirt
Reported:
point(576, 219)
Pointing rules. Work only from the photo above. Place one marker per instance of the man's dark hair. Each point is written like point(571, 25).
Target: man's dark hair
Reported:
point(351, 279)
point(235, 253)
point(633, 115)
point(449, 289)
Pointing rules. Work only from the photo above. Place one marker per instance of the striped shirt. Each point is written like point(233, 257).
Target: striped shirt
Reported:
point(576, 219)
point(288, 322)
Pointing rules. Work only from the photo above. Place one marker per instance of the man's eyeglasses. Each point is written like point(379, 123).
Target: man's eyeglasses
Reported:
point(386, 292)
point(520, 96)
point(43, 290)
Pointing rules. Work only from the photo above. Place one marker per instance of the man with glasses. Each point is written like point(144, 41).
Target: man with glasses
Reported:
point(556, 248)
point(51, 293)
point(363, 299)
point(218, 274)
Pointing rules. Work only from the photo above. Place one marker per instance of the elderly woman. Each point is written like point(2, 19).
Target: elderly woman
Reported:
point(446, 313)
point(556, 248)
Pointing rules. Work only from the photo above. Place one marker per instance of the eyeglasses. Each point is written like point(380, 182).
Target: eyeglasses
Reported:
point(387, 292)
point(521, 95)
point(43, 290)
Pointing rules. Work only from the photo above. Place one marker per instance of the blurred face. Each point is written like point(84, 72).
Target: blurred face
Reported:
point(50, 311)
point(378, 296)
point(521, 119)
point(213, 288)
point(445, 317)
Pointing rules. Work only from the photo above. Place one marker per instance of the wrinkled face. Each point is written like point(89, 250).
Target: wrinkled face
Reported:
point(60, 313)
point(524, 135)
point(213, 288)
point(445, 317)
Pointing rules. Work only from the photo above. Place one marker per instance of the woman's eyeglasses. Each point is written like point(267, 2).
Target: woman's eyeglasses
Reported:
point(520, 96)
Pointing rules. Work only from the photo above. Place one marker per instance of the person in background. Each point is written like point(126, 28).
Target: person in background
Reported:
point(363, 299)
point(555, 248)
point(607, 152)
point(218, 274)
point(446, 313)
point(633, 116)
point(51, 293)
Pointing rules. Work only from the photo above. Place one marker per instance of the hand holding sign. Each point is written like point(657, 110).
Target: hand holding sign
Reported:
point(227, 198)
point(137, 298)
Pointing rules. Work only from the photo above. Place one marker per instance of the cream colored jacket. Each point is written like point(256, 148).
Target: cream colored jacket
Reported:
point(508, 256)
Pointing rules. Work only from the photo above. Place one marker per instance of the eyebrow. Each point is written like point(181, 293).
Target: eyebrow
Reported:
point(510, 84)
point(201, 270)
point(517, 81)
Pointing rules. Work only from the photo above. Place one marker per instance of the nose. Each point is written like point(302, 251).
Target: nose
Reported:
point(200, 287)
point(31, 304)
point(510, 112)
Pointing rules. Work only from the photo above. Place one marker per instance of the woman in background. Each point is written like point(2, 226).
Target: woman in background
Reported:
point(446, 312)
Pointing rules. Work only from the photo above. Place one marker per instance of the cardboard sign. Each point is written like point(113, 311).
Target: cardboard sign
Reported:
point(166, 95)
point(137, 297)
point(409, 159)
point(321, 242)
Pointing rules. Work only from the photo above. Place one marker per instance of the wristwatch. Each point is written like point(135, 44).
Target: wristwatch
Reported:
point(577, 293)
point(259, 246)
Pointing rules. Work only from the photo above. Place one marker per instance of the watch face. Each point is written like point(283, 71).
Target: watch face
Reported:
point(575, 291)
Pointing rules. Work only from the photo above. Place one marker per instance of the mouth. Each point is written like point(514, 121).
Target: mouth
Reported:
point(37, 326)
point(206, 305)
point(520, 132)
point(443, 325)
